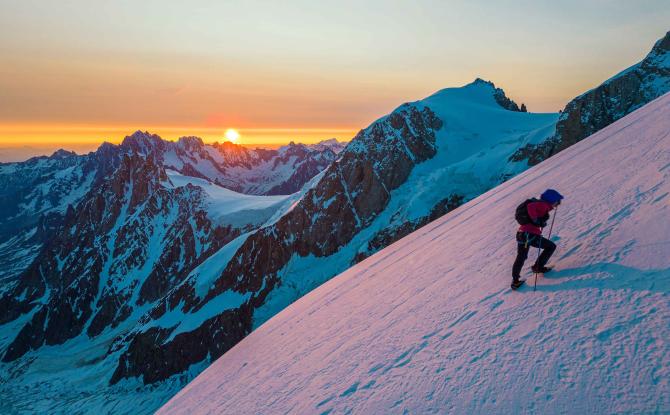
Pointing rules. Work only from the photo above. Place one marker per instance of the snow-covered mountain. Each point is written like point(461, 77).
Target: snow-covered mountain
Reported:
point(429, 324)
point(128, 242)
point(152, 296)
point(34, 197)
point(332, 144)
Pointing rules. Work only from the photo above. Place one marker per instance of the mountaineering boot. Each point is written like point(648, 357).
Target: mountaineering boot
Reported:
point(540, 270)
point(517, 283)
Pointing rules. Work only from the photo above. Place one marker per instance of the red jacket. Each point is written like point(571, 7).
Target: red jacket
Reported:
point(536, 210)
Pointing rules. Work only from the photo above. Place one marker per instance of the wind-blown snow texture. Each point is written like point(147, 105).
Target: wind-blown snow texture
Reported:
point(429, 324)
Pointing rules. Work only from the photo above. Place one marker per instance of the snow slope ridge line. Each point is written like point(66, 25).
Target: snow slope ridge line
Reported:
point(429, 325)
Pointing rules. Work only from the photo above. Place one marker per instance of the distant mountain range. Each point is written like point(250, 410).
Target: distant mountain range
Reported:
point(35, 194)
point(128, 270)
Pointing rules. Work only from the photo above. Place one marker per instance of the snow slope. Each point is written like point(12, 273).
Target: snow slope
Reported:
point(429, 324)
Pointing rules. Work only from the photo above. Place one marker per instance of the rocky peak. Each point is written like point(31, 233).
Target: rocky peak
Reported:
point(235, 154)
point(483, 82)
point(191, 143)
point(141, 176)
point(293, 149)
point(331, 144)
point(143, 142)
point(61, 153)
point(657, 62)
point(498, 95)
point(106, 148)
point(662, 46)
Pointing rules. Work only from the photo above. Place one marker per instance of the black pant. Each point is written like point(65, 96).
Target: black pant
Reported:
point(524, 241)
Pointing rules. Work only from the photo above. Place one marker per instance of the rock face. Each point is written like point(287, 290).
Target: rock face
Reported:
point(34, 197)
point(500, 97)
point(126, 244)
point(610, 101)
point(387, 236)
point(306, 163)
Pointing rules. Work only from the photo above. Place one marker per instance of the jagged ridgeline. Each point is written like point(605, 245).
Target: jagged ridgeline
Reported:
point(139, 264)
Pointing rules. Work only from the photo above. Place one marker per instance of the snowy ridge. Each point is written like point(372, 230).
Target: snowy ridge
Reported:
point(429, 324)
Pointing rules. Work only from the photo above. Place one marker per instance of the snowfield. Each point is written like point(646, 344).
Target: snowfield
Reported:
point(430, 325)
point(227, 207)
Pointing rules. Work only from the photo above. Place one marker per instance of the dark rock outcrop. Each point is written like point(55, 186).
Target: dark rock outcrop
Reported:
point(389, 235)
point(610, 101)
point(500, 97)
point(147, 356)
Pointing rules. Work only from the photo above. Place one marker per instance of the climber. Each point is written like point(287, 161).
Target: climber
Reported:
point(533, 215)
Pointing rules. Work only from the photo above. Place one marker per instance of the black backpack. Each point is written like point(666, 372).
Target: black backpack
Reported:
point(521, 213)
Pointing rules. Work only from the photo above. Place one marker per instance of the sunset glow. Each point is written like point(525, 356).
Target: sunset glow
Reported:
point(21, 141)
point(72, 76)
point(232, 135)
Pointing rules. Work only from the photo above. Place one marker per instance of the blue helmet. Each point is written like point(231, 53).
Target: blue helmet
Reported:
point(551, 196)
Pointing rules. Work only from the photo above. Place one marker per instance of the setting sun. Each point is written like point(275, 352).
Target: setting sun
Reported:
point(232, 135)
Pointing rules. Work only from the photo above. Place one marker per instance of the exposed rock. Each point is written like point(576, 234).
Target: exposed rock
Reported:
point(610, 101)
point(387, 236)
point(499, 96)
point(152, 356)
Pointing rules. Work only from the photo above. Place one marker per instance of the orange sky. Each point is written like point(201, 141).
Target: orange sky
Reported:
point(75, 73)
